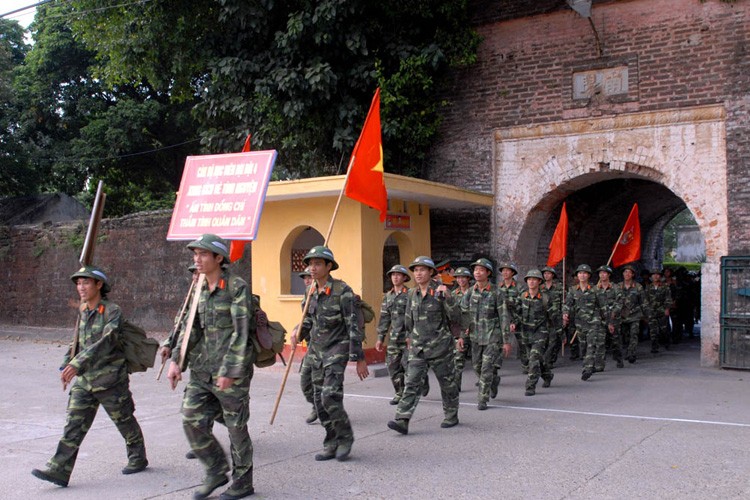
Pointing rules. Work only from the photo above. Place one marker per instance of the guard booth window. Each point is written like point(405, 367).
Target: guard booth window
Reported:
point(307, 239)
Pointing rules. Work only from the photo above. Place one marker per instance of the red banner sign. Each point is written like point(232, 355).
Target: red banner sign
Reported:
point(397, 221)
point(222, 194)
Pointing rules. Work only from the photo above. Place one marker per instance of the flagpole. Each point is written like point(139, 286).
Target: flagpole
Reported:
point(616, 243)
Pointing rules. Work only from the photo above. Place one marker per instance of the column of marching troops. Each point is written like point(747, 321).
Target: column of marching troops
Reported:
point(426, 326)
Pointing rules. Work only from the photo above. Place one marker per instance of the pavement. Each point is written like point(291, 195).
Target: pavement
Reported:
point(663, 427)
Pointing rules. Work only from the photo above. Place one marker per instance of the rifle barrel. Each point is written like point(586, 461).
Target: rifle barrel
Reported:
point(87, 252)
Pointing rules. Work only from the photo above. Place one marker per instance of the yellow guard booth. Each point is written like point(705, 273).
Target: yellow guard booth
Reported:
point(297, 215)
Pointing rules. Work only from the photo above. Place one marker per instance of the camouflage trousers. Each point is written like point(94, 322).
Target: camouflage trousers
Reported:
point(523, 353)
point(484, 359)
point(554, 345)
point(658, 329)
point(82, 407)
point(593, 342)
point(459, 358)
point(538, 367)
point(328, 389)
point(444, 368)
point(395, 358)
point(305, 379)
point(202, 402)
point(615, 340)
point(630, 331)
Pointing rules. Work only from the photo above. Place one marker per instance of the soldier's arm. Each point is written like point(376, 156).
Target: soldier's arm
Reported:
point(385, 319)
point(234, 363)
point(105, 345)
point(356, 335)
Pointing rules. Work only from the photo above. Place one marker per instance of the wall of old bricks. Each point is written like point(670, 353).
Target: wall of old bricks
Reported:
point(148, 273)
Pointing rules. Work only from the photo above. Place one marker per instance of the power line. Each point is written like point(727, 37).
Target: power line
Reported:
point(140, 153)
point(32, 6)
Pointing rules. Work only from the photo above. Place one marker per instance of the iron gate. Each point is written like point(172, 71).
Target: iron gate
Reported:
point(734, 349)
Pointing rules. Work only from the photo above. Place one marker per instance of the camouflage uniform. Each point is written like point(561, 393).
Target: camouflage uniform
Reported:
point(482, 310)
point(587, 310)
point(102, 379)
point(634, 308)
point(334, 338)
point(509, 296)
point(659, 299)
point(613, 304)
point(431, 346)
point(533, 319)
point(392, 310)
point(554, 345)
point(457, 329)
point(220, 346)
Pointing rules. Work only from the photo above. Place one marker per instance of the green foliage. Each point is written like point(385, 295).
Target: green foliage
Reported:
point(684, 218)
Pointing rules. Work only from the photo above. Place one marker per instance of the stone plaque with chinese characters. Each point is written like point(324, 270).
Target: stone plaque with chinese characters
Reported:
point(605, 82)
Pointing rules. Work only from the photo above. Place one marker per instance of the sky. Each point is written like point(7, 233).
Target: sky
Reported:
point(24, 17)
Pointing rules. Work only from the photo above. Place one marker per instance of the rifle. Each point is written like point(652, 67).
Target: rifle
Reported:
point(175, 328)
point(87, 252)
point(191, 320)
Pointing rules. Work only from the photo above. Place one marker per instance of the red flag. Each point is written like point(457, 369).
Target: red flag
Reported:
point(628, 247)
point(559, 244)
point(365, 177)
point(236, 247)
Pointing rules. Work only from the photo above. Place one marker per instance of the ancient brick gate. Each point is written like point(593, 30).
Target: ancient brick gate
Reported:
point(665, 161)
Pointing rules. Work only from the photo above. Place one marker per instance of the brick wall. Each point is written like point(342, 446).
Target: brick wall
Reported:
point(149, 274)
point(679, 53)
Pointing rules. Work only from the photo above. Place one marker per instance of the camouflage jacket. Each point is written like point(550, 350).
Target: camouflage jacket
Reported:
point(555, 296)
point(428, 322)
point(99, 358)
point(331, 325)
point(634, 303)
point(535, 315)
point(458, 318)
point(482, 311)
point(509, 295)
point(613, 303)
point(586, 307)
point(392, 310)
point(220, 342)
point(659, 298)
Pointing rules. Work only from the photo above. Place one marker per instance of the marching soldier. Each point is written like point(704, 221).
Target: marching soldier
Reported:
point(430, 346)
point(97, 361)
point(331, 327)
point(634, 308)
point(533, 319)
point(659, 302)
point(554, 291)
point(613, 302)
point(585, 308)
point(482, 308)
point(462, 275)
point(392, 315)
point(220, 357)
point(509, 291)
point(305, 377)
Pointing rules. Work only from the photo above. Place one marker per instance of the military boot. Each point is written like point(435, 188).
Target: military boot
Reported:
point(191, 455)
point(426, 386)
point(210, 483)
point(52, 476)
point(312, 417)
point(343, 451)
point(400, 425)
point(240, 488)
point(328, 454)
point(135, 465)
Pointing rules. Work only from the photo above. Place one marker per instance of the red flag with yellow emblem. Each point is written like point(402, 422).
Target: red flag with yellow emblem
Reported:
point(365, 182)
point(628, 247)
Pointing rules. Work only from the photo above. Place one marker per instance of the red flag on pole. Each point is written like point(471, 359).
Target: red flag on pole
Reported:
point(559, 243)
point(628, 246)
point(237, 247)
point(365, 175)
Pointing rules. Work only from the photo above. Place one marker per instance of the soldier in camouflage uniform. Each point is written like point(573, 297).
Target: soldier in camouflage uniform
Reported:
point(99, 365)
point(533, 319)
point(334, 337)
point(633, 309)
point(462, 275)
point(659, 301)
point(613, 302)
point(585, 307)
point(554, 291)
point(392, 311)
point(431, 345)
point(482, 310)
point(220, 355)
point(305, 375)
point(509, 291)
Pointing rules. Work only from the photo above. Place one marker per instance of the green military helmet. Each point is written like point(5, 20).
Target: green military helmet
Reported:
point(585, 268)
point(631, 267)
point(534, 273)
point(398, 268)
point(485, 263)
point(547, 269)
point(604, 268)
point(94, 273)
point(508, 265)
point(423, 260)
point(462, 271)
point(305, 273)
point(212, 243)
point(321, 252)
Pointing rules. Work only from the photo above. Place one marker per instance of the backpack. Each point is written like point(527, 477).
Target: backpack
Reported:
point(139, 349)
point(268, 340)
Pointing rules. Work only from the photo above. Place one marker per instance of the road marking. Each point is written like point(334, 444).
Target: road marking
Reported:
point(577, 412)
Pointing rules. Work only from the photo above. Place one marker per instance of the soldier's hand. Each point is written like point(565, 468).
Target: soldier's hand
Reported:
point(174, 375)
point(362, 371)
point(379, 346)
point(506, 350)
point(224, 383)
point(67, 375)
point(512, 327)
point(442, 289)
point(166, 352)
point(460, 345)
point(566, 319)
point(611, 328)
point(293, 339)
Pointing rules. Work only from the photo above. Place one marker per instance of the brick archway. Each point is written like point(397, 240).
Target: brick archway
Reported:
point(680, 156)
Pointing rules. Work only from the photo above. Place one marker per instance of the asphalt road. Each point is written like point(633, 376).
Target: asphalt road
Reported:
point(661, 428)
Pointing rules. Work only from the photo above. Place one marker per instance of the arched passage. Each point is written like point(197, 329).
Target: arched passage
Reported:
point(296, 245)
point(397, 249)
point(665, 161)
